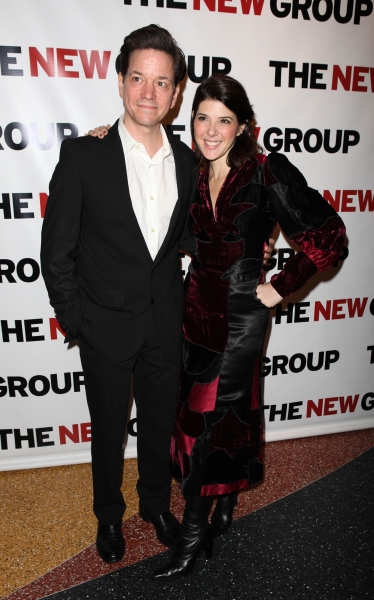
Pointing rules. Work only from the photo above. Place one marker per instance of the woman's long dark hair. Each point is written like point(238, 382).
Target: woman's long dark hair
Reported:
point(231, 93)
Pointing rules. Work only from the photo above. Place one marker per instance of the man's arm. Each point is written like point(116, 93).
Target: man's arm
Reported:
point(60, 238)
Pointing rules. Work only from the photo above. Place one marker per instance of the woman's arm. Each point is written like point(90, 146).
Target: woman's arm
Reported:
point(308, 220)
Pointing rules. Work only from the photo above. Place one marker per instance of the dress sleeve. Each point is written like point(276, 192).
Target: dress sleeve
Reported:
point(307, 219)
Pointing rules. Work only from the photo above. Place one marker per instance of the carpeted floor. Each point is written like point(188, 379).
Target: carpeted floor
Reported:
point(293, 531)
point(316, 543)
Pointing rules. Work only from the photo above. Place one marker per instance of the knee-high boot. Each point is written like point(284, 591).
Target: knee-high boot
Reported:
point(222, 514)
point(196, 536)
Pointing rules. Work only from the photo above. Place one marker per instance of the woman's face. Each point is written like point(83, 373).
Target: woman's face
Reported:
point(215, 129)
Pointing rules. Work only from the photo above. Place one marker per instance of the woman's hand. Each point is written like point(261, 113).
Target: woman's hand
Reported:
point(267, 295)
point(99, 132)
point(268, 250)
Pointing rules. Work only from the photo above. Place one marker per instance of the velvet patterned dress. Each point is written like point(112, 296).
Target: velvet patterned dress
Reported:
point(217, 441)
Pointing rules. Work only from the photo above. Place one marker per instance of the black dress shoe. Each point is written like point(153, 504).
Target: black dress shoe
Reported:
point(110, 543)
point(166, 525)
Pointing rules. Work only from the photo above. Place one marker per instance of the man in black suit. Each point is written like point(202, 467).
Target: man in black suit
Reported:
point(114, 223)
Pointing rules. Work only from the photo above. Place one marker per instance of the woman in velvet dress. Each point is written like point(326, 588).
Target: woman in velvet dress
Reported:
point(241, 195)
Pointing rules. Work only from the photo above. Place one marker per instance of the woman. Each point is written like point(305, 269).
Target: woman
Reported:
point(241, 194)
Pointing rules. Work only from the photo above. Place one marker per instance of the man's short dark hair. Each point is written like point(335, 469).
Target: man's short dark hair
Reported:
point(153, 37)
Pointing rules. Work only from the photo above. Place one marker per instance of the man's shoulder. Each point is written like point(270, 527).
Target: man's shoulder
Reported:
point(179, 146)
point(88, 143)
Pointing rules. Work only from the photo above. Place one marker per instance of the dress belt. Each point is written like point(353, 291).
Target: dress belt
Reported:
point(243, 270)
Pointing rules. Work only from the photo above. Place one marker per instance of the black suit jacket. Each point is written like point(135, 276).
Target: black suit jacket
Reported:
point(101, 279)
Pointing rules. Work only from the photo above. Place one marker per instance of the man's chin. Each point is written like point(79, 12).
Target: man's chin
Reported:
point(146, 120)
point(149, 119)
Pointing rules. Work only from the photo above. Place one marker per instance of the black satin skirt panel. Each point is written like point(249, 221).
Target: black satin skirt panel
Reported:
point(217, 442)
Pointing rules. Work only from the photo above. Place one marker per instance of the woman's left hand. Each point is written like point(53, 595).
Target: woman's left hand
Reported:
point(267, 295)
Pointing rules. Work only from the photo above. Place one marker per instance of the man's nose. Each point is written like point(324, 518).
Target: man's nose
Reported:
point(148, 90)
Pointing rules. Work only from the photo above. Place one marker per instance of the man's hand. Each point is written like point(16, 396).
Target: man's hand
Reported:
point(267, 249)
point(99, 132)
point(267, 295)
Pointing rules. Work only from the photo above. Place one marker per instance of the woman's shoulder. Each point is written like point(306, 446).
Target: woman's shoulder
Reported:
point(273, 159)
point(261, 158)
point(252, 167)
point(283, 170)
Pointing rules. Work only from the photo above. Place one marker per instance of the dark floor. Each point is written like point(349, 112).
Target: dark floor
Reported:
point(316, 543)
point(305, 532)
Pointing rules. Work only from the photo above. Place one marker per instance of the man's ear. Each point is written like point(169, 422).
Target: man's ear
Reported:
point(120, 84)
point(175, 96)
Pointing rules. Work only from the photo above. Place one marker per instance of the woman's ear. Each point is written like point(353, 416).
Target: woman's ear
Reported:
point(241, 129)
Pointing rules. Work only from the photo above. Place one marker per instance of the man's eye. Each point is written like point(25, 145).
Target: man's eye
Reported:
point(162, 84)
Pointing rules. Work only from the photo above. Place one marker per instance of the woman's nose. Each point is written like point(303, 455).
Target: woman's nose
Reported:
point(212, 129)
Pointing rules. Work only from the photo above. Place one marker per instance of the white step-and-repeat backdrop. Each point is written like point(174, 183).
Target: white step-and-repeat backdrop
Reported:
point(308, 68)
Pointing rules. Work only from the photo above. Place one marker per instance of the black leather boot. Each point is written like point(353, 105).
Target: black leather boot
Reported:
point(196, 536)
point(222, 515)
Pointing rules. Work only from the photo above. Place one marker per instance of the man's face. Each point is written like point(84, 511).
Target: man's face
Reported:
point(147, 89)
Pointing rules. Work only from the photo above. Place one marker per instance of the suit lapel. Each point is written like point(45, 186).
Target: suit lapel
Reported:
point(116, 165)
point(182, 194)
point(119, 186)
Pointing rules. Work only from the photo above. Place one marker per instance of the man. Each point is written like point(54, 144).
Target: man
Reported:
point(113, 227)
point(110, 242)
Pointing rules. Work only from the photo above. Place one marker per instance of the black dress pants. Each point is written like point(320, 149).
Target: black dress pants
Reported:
point(155, 388)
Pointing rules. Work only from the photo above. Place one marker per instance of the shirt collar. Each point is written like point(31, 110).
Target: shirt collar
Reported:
point(129, 143)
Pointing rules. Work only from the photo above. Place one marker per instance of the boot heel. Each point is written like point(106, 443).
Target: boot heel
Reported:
point(209, 543)
point(222, 516)
point(209, 550)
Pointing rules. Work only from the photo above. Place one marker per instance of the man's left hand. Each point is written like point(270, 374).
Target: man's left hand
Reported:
point(268, 250)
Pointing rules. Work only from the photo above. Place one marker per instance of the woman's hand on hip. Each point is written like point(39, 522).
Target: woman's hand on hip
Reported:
point(267, 295)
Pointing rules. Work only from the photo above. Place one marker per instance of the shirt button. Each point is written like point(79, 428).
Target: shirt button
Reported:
point(151, 197)
point(152, 230)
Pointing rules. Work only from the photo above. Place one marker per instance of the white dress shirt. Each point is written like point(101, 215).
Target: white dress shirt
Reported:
point(153, 187)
